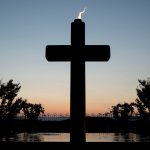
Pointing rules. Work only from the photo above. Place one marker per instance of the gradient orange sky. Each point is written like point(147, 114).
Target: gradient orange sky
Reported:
point(26, 28)
point(53, 91)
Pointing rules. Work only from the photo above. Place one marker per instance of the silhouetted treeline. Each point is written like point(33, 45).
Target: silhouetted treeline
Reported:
point(142, 103)
point(10, 106)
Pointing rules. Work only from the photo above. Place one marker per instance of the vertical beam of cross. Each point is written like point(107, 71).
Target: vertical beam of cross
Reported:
point(77, 104)
point(77, 53)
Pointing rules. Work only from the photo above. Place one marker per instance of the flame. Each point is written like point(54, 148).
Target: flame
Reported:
point(80, 13)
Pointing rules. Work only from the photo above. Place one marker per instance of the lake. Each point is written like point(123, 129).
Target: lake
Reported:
point(65, 137)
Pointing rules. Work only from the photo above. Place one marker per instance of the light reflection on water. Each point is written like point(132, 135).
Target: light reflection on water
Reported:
point(65, 137)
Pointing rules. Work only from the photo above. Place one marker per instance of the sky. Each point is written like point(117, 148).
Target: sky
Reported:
point(26, 27)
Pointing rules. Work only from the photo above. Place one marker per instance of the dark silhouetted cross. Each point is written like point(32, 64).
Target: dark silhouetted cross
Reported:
point(77, 53)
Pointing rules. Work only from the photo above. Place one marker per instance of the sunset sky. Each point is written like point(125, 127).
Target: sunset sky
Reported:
point(27, 26)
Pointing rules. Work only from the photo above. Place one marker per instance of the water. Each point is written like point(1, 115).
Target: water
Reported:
point(65, 137)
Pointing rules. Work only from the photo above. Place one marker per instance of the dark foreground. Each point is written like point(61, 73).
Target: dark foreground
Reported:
point(93, 125)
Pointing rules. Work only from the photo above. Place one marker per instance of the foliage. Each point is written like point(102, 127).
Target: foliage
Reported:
point(10, 107)
point(143, 101)
point(32, 111)
point(123, 111)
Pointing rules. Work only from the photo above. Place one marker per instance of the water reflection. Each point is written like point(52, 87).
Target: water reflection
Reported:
point(55, 137)
point(131, 137)
point(23, 137)
point(125, 137)
point(65, 137)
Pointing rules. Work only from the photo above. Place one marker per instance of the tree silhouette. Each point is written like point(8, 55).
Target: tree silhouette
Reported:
point(32, 111)
point(115, 111)
point(10, 107)
point(123, 111)
point(143, 101)
point(14, 108)
point(126, 110)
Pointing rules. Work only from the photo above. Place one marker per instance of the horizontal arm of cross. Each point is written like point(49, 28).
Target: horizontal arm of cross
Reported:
point(86, 53)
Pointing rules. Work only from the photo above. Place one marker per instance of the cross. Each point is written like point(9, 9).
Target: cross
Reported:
point(77, 53)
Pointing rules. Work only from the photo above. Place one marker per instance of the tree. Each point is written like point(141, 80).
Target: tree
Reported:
point(123, 111)
point(115, 111)
point(143, 101)
point(14, 108)
point(126, 110)
point(32, 111)
point(10, 107)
